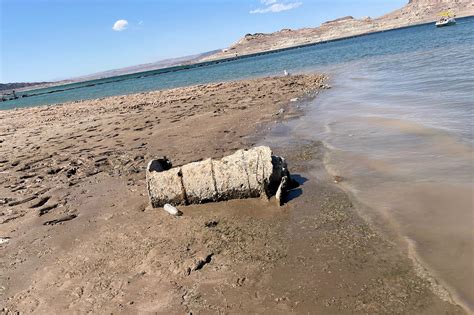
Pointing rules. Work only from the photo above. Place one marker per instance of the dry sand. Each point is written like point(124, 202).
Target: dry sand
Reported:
point(79, 236)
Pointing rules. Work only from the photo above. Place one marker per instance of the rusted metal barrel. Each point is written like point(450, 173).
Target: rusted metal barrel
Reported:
point(244, 174)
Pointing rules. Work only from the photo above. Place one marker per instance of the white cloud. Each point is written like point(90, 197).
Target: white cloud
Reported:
point(273, 6)
point(268, 2)
point(120, 25)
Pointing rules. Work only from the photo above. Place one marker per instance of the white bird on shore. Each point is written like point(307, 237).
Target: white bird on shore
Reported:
point(286, 73)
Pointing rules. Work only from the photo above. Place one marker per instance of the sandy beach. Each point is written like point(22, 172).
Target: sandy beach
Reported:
point(78, 235)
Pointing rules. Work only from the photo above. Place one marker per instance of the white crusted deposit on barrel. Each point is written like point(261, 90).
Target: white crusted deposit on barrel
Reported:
point(244, 174)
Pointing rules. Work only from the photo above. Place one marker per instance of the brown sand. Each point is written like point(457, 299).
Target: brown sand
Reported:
point(83, 238)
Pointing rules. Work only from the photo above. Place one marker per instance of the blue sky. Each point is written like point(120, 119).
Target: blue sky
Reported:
point(45, 40)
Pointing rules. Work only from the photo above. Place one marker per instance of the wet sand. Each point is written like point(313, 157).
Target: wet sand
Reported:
point(79, 236)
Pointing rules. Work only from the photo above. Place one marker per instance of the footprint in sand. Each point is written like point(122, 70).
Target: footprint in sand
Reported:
point(61, 219)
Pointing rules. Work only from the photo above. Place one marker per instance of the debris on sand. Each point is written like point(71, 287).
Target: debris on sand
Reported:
point(282, 189)
point(4, 240)
point(245, 174)
point(172, 210)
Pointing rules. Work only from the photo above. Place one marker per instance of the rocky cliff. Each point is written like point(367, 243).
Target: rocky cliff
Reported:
point(415, 12)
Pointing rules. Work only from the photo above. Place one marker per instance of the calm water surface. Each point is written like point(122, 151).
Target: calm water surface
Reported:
point(303, 59)
point(399, 128)
point(398, 124)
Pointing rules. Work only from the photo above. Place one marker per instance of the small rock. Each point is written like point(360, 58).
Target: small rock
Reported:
point(338, 179)
point(294, 99)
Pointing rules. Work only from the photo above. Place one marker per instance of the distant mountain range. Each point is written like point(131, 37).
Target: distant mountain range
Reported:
point(166, 63)
point(19, 85)
point(8, 87)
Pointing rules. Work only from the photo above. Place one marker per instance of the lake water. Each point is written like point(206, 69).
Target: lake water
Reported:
point(398, 124)
point(399, 130)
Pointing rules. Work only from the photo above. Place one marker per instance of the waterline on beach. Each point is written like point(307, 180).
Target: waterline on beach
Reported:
point(399, 132)
point(406, 149)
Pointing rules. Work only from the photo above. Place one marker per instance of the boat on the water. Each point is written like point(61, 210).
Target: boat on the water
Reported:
point(446, 22)
point(447, 19)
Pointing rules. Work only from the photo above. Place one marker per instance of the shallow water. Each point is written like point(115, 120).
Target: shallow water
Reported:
point(399, 129)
